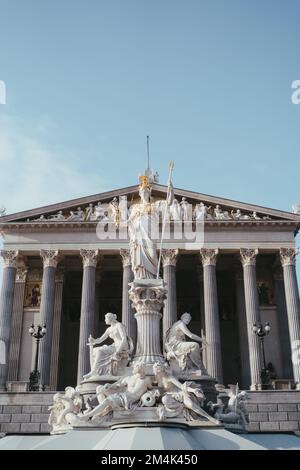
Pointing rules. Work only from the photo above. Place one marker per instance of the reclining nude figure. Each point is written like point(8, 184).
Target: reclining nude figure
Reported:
point(121, 395)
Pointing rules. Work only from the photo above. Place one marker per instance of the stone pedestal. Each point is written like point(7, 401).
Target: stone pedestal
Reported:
point(148, 298)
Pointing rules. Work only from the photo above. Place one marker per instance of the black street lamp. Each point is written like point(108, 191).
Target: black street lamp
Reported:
point(34, 380)
point(262, 331)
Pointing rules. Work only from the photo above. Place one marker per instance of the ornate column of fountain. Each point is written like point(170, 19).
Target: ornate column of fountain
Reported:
point(148, 298)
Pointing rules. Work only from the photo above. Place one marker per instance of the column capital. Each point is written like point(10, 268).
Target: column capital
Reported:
point(169, 256)
point(288, 256)
point(209, 256)
point(89, 258)
point(126, 258)
point(10, 258)
point(21, 274)
point(50, 258)
point(248, 256)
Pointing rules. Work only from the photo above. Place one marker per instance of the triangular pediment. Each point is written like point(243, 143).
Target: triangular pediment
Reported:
point(62, 212)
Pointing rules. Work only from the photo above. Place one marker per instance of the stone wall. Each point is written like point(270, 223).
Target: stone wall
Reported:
point(25, 413)
point(273, 411)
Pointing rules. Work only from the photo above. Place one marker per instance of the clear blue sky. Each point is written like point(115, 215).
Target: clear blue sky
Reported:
point(209, 80)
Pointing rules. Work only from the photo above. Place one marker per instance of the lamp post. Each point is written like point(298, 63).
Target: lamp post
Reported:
point(262, 331)
point(34, 380)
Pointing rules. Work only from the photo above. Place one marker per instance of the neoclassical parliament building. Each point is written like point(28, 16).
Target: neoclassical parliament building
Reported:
point(66, 265)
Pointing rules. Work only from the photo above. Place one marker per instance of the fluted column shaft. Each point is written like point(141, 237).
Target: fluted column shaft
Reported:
point(169, 259)
point(148, 302)
point(17, 319)
point(242, 327)
point(87, 317)
point(50, 260)
point(59, 281)
point(127, 313)
point(248, 258)
point(212, 321)
point(288, 261)
point(284, 334)
point(6, 309)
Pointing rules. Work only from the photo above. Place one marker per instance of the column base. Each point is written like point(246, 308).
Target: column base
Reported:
point(254, 387)
point(17, 386)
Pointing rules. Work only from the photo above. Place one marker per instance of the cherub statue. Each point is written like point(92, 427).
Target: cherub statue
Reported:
point(64, 411)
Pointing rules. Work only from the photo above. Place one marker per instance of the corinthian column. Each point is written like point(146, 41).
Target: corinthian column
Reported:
point(169, 259)
point(284, 334)
point(50, 260)
point(288, 261)
point(212, 322)
point(242, 328)
point(6, 308)
point(17, 319)
point(59, 281)
point(87, 317)
point(127, 314)
point(248, 259)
